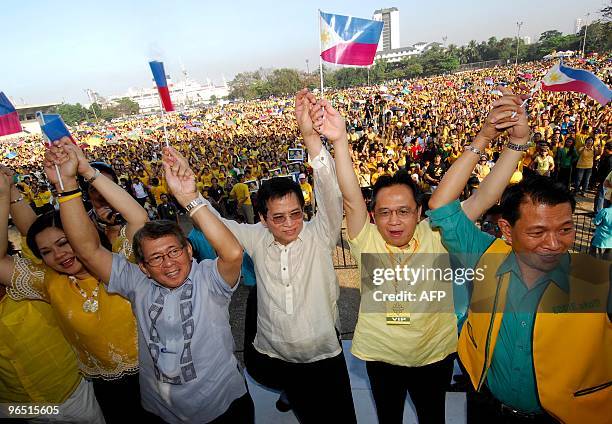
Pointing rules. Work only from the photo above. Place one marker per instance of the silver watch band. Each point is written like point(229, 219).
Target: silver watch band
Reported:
point(195, 202)
point(472, 149)
point(517, 147)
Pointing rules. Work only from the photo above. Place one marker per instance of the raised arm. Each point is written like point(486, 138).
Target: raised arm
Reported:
point(79, 229)
point(304, 102)
point(21, 212)
point(182, 184)
point(6, 262)
point(492, 187)
point(330, 123)
point(117, 197)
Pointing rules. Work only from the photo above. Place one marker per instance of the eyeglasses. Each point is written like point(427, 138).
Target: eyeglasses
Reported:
point(293, 216)
point(402, 213)
point(157, 260)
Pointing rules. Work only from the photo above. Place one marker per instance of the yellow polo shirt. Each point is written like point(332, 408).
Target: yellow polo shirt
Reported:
point(36, 362)
point(429, 337)
point(241, 192)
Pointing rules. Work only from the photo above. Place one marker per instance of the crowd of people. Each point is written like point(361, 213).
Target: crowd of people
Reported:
point(399, 125)
point(138, 311)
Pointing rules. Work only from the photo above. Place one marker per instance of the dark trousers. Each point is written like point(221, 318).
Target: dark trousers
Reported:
point(241, 411)
point(482, 407)
point(427, 386)
point(119, 398)
point(315, 389)
point(564, 176)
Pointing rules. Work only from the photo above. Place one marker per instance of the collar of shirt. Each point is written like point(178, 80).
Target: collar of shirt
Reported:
point(559, 275)
point(270, 240)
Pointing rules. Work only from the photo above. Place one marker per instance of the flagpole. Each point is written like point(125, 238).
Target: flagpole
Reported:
point(163, 117)
point(320, 47)
point(531, 93)
point(41, 121)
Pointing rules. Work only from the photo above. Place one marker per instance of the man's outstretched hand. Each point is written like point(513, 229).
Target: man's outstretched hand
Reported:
point(327, 121)
point(507, 114)
point(179, 176)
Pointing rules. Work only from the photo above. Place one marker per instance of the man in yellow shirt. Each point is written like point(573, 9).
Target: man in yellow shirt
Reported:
point(157, 190)
point(403, 351)
point(42, 199)
point(308, 196)
point(240, 192)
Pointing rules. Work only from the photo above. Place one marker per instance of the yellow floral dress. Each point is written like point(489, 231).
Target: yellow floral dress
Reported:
point(105, 341)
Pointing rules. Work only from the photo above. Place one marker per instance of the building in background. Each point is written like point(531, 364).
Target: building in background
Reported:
point(395, 55)
point(390, 38)
point(389, 48)
point(527, 40)
point(185, 94)
point(578, 25)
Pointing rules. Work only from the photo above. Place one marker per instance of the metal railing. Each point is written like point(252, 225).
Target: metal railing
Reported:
point(583, 221)
point(480, 65)
point(342, 255)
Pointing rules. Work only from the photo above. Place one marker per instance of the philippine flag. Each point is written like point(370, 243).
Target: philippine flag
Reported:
point(9, 118)
point(563, 78)
point(346, 40)
point(162, 85)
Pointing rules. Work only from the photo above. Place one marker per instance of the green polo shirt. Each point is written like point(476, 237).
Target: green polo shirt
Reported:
point(511, 376)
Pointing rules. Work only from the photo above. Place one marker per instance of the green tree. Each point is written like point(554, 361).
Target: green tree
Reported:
point(72, 114)
point(437, 61)
point(126, 106)
point(284, 81)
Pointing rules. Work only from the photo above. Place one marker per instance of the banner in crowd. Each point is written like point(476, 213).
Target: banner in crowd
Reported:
point(162, 85)
point(564, 78)
point(346, 40)
point(9, 118)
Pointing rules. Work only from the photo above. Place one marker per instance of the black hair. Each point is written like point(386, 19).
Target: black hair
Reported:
point(42, 222)
point(277, 188)
point(52, 219)
point(493, 210)
point(537, 189)
point(399, 178)
point(154, 230)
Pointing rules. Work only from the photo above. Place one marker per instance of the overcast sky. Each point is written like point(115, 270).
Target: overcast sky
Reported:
point(53, 50)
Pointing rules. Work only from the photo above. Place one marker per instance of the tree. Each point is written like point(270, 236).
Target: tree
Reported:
point(606, 12)
point(284, 81)
point(72, 114)
point(242, 86)
point(126, 106)
point(437, 61)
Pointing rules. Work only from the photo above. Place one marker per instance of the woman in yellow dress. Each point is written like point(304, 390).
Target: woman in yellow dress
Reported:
point(100, 327)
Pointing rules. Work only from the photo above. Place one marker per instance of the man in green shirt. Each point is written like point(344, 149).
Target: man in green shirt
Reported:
point(502, 356)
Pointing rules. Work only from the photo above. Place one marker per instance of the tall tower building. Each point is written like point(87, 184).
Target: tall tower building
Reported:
point(578, 25)
point(390, 37)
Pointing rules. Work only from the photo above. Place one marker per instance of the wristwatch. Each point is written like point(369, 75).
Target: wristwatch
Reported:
point(517, 147)
point(195, 202)
point(93, 177)
point(474, 150)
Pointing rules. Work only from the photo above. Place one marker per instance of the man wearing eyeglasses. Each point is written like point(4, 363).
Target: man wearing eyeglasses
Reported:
point(297, 348)
point(188, 371)
point(404, 352)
